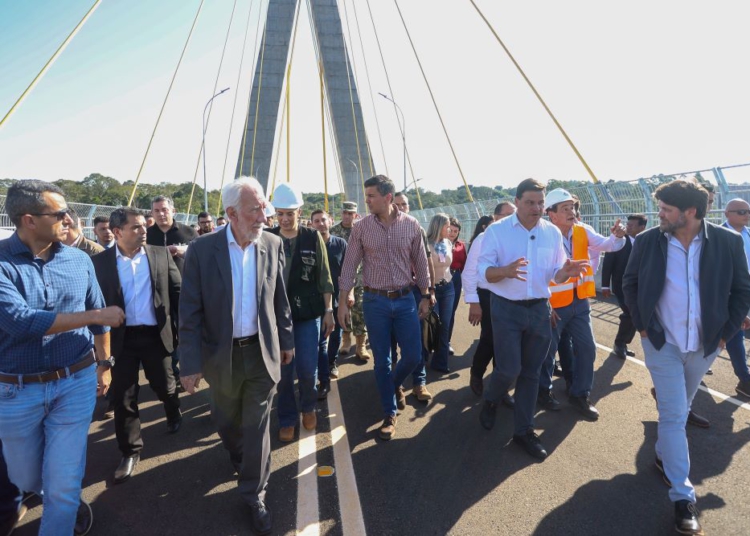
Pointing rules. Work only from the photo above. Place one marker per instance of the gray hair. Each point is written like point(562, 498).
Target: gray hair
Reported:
point(230, 193)
point(160, 198)
point(437, 223)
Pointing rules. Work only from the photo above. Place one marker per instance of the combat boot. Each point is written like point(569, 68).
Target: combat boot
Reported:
point(361, 351)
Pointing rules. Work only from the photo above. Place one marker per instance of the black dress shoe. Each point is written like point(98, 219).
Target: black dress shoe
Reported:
point(84, 519)
point(126, 467)
point(323, 389)
point(173, 424)
point(584, 406)
point(487, 415)
point(621, 351)
point(261, 518)
point(686, 518)
point(443, 370)
point(531, 444)
point(508, 401)
point(548, 401)
point(477, 385)
point(697, 420)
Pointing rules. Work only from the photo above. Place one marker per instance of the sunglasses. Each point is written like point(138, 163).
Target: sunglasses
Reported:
point(60, 214)
point(743, 212)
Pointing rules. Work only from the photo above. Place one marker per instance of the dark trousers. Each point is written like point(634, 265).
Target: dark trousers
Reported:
point(626, 331)
point(522, 339)
point(328, 351)
point(10, 497)
point(457, 287)
point(142, 347)
point(566, 355)
point(485, 347)
point(241, 412)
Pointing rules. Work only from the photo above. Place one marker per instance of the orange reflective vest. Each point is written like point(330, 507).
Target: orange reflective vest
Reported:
point(562, 294)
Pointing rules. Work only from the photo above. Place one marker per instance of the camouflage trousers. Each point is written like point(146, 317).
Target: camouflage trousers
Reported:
point(358, 316)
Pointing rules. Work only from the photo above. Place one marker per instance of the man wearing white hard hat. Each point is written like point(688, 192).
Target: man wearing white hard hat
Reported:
point(571, 310)
point(309, 288)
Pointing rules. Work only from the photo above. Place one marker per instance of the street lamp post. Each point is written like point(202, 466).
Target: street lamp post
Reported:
point(203, 146)
point(403, 130)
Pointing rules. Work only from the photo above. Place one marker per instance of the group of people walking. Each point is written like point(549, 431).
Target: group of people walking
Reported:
point(247, 308)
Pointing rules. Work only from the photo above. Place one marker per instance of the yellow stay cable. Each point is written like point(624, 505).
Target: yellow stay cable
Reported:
point(432, 96)
point(369, 85)
point(257, 102)
point(201, 149)
point(249, 102)
point(323, 131)
point(390, 90)
point(236, 96)
point(164, 104)
point(538, 96)
point(49, 63)
point(356, 77)
point(354, 115)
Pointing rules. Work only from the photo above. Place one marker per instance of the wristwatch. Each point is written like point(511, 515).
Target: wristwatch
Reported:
point(329, 310)
point(108, 362)
point(426, 296)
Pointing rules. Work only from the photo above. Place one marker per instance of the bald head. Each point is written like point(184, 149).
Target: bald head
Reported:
point(737, 212)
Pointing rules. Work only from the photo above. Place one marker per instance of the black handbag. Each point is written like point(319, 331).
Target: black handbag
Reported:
point(431, 331)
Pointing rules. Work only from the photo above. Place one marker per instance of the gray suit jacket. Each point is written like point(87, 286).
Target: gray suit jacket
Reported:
point(724, 284)
point(207, 303)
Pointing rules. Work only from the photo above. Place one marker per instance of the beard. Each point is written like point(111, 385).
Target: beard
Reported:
point(669, 227)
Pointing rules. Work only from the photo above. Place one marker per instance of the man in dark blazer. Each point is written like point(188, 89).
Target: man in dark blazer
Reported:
point(612, 270)
point(687, 287)
point(144, 281)
point(236, 332)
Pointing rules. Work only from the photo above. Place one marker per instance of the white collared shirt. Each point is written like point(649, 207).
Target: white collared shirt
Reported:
point(135, 281)
point(507, 240)
point(598, 244)
point(471, 278)
point(244, 279)
point(679, 306)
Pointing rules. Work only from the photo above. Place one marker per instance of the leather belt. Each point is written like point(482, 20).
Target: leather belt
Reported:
point(441, 283)
point(390, 294)
point(44, 377)
point(245, 341)
point(524, 303)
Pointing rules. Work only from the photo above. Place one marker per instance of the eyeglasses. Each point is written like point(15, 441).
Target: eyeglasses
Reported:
point(60, 214)
point(742, 212)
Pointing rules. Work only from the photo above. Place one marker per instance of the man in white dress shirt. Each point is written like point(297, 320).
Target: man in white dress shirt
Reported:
point(520, 255)
point(687, 287)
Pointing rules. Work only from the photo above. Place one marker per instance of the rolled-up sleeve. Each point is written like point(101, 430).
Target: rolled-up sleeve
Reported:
point(352, 260)
point(19, 320)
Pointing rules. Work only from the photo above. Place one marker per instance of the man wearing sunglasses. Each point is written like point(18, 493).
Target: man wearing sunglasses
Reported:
point(49, 325)
point(737, 212)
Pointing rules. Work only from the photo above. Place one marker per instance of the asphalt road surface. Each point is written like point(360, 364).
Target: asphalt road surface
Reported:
point(442, 473)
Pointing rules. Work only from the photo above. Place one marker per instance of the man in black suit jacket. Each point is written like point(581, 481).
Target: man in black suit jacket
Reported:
point(236, 331)
point(687, 287)
point(145, 282)
point(613, 269)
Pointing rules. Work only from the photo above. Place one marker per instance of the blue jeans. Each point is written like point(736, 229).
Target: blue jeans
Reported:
point(384, 316)
point(576, 320)
point(44, 430)
point(738, 356)
point(522, 339)
point(457, 287)
point(305, 362)
point(676, 378)
point(328, 350)
point(419, 376)
point(444, 307)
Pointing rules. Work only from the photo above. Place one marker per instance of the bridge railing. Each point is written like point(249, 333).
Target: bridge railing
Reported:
point(604, 203)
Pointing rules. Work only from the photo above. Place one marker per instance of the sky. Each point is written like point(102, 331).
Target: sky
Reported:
point(641, 88)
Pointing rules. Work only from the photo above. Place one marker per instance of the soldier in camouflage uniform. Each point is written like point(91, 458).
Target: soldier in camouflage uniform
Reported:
point(343, 229)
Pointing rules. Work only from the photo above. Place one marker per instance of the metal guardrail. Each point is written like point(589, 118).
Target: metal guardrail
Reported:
point(602, 204)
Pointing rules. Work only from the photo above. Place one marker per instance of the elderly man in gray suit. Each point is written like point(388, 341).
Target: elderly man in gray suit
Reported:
point(236, 332)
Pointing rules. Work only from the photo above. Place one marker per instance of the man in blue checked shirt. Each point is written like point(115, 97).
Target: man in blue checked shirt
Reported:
point(52, 314)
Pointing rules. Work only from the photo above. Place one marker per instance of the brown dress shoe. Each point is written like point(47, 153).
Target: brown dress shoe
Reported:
point(309, 420)
point(286, 434)
point(421, 392)
point(388, 428)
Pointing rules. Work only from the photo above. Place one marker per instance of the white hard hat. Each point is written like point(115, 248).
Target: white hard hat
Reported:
point(269, 210)
point(287, 197)
point(558, 195)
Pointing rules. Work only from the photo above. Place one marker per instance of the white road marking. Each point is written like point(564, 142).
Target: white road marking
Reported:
point(712, 392)
point(352, 522)
point(308, 513)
